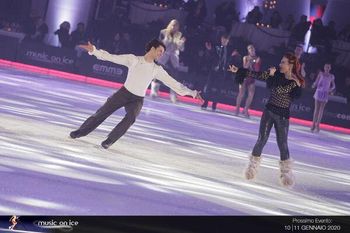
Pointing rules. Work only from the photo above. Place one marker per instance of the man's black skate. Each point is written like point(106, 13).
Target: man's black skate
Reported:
point(74, 134)
point(106, 143)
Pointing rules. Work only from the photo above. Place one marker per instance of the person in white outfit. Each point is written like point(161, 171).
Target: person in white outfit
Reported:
point(174, 43)
point(324, 85)
point(13, 221)
point(142, 70)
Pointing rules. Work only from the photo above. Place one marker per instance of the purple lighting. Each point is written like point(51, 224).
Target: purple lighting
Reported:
point(66, 10)
point(245, 6)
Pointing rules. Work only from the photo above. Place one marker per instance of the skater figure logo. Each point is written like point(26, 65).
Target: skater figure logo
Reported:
point(13, 220)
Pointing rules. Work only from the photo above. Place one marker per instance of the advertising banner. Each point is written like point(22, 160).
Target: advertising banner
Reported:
point(90, 66)
point(47, 56)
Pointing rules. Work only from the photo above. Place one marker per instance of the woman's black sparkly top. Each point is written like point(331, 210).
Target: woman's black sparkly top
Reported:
point(283, 91)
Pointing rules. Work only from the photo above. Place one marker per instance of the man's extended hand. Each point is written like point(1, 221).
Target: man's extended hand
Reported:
point(232, 68)
point(89, 47)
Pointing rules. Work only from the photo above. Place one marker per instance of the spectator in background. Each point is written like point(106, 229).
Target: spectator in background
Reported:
point(127, 43)
point(197, 11)
point(318, 34)
point(79, 35)
point(254, 16)
point(121, 43)
point(298, 52)
point(343, 84)
point(63, 35)
point(344, 34)
point(216, 33)
point(15, 27)
point(41, 31)
point(29, 26)
point(275, 19)
point(225, 14)
point(330, 35)
point(288, 23)
point(299, 31)
point(3, 24)
point(116, 44)
point(310, 79)
point(119, 19)
point(10, 27)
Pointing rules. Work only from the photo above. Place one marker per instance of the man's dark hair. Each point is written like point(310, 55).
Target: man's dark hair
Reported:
point(155, 43)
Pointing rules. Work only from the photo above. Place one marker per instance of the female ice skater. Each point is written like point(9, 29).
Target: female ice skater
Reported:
point(13, 221)
point(324, 85)
point(174, 42)
point(250, 62)
point(285, 85)
point(142, 70)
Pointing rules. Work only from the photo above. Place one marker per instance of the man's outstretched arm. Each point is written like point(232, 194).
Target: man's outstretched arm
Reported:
point(179, 88)
point(125, 59)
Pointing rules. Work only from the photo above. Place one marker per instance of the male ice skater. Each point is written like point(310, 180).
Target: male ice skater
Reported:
point(142, 70)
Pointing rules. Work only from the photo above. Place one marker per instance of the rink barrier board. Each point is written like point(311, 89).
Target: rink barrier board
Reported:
point(110, 84)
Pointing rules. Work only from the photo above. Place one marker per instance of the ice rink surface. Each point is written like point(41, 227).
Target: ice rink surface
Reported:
point(175, 160)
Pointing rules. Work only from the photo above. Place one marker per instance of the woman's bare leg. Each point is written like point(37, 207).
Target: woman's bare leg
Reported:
point(241, 92)
point(320, 115)
point(248, 102)
point(316, 113)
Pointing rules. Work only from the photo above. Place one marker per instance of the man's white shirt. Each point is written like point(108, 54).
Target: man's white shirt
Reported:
point(141, 73)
